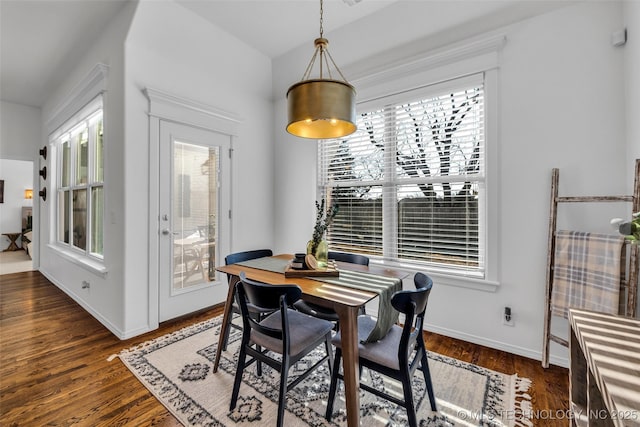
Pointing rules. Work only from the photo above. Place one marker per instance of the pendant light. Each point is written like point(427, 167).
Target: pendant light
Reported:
point(321, 108)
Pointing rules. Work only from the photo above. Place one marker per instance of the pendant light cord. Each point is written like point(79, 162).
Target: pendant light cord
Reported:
point(321, 47)
point(321, 19)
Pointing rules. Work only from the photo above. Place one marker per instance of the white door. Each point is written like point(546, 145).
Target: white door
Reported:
point(194, 218)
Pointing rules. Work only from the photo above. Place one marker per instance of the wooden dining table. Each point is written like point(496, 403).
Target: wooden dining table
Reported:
point(344, 300)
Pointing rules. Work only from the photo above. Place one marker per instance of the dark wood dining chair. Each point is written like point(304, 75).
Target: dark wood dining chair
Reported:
point(349, 257)
point(391, 356)
point(287, 332)
point(255, 312)
point(325, 312)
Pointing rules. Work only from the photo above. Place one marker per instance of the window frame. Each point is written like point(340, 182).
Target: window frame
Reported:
point(89, 119)
point(479, 55)
point(91, 87)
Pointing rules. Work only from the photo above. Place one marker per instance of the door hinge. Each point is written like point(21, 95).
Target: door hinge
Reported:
point(230, 151)
point(229, 213)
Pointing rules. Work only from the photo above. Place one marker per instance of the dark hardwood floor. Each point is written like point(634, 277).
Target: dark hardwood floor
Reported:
point(54, 369)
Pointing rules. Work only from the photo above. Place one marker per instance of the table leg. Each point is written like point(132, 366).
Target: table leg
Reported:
point(349, 331)
point(13, 237)
point(225, 320)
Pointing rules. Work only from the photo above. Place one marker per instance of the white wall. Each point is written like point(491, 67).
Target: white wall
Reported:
point(572, 119)
point(20, 135)
point(631, 13)
point(206, 65)
point(561, 105)
point(632, 84)
point(146, 46)
point(104, 298)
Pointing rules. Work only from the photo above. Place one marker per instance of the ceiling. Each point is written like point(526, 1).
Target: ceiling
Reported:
point(33, 46)
point(274, 27)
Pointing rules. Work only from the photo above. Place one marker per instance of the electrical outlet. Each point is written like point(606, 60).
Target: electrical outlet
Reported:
point(507, 317)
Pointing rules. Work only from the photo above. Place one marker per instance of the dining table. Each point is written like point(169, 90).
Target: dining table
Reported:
point(346, 301)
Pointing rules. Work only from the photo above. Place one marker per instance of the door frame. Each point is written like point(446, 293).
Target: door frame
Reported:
point(167, 107)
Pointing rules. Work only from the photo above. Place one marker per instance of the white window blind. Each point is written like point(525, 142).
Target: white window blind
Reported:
point(410, 181)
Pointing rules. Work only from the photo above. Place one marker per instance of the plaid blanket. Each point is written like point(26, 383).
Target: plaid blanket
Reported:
point(586, 272)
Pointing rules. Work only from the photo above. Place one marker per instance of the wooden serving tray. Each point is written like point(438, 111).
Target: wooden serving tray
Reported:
point(330, 271)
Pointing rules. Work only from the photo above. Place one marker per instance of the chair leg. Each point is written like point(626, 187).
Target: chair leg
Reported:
point(329, 349)
point(424, 367)
point(238, 379)
point(258, 318)
point(229, 326)
point(258, 362)
point(334, 384)
point(282, 396)
point(408, 399)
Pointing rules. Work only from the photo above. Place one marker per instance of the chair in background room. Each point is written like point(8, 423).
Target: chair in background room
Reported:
point(391, 356)
point(325, 312)
point(287, 332)
point(233, 259)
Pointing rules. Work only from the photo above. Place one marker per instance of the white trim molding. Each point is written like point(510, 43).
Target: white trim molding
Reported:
point(94, 266)
point(495, 344)
point(479, 55)
point(166, 106)
point(92, 85)
point(463, 58)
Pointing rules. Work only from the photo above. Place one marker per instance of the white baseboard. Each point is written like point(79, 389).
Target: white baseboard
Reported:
point(134, 333)
point(498, 345)
point(123, 335)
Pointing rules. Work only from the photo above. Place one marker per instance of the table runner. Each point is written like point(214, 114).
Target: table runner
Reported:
point(385, 287)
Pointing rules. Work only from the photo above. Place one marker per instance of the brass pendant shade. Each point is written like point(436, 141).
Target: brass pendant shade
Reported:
point(320, 108)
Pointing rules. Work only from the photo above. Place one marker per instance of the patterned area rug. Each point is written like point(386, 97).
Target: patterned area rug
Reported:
point(177, 369)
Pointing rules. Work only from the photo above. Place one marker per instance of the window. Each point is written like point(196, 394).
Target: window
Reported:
point(410, 183)
point(80, 181)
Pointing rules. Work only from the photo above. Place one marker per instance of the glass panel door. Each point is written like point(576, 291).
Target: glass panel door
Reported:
point(195, 186)
point(194, 190)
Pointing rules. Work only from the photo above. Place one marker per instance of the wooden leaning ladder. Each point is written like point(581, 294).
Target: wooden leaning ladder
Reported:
point(629, 278)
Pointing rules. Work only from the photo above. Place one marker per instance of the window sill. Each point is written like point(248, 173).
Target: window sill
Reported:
point(464, 282)
point(447, 279)
point(89, 264)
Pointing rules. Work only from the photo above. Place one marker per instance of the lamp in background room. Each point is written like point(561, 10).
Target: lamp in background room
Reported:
point(28, 193)
point(321, 108)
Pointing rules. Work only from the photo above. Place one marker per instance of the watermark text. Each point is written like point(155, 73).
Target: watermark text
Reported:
point(545, 414)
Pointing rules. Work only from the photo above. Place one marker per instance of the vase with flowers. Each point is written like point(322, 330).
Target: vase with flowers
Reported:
point(630, 229)
point(317, 246)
